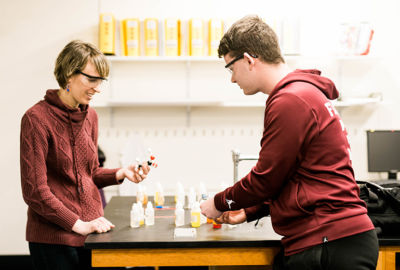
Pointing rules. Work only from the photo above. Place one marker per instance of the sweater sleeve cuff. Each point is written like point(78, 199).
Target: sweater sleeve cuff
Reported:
point(68, 219)
point(106, 177)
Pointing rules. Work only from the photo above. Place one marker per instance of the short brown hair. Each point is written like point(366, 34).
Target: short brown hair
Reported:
point(252, 35)
point(74, 57)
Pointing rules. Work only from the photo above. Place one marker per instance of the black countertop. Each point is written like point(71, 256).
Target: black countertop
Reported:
point(161, 235)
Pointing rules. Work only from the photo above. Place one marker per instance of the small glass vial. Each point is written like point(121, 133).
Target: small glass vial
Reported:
point(179, 215)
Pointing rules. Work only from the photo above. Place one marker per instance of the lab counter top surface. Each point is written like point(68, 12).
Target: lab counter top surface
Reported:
point(161, 234)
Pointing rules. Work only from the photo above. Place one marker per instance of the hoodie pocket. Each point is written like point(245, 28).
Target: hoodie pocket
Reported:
point(301, 196)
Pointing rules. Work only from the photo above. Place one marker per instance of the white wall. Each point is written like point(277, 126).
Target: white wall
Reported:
point(33, 32)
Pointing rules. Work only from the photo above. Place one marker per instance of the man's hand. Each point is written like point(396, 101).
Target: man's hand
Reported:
point(98, 225)
point(208, 209)
point(133, 172)
point(232, 217)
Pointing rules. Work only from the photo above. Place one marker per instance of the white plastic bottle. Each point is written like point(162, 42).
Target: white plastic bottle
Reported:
point(195, 215)
point(149, 214)
point(203, 218)
point(135, 216)
point(179, 215)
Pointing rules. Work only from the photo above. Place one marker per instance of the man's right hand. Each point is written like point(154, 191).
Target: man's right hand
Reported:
point(98, 225)
point(232, 217)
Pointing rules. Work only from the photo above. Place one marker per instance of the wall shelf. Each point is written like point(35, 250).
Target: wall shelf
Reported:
point(219, 103)
point(216, 59)
point(164, 59)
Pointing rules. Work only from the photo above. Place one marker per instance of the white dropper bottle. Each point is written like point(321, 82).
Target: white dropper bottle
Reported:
point(135, 216)
point(179, 215)
point(149, 214)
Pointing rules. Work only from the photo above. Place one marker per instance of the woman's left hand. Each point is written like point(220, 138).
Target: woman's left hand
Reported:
point(133, 172)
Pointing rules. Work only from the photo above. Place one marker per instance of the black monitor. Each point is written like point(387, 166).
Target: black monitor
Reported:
point(384, 151)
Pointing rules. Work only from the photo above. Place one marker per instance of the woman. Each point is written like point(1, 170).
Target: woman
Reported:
point(60, 173)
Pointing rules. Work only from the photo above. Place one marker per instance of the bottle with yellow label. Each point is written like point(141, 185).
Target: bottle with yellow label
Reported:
point(195, 215)
point(215, 32)
point(107, 33)
point(132, 36)
point(196, 37)
point(171, 37)
point(151, 37)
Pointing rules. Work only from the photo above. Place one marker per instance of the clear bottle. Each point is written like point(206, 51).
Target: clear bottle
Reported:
point(149, 214)
point(179, 215)
point(191, 197)
point(159, 198)
point(195, 215)
point(141, 195)
point(180, 194)
point(141, 214)
point(203, 218)
point(135, 216)
point(202, 191)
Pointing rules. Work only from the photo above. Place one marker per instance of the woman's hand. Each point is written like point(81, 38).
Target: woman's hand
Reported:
point(98, 225)
point(232, 217)
point(133, 172)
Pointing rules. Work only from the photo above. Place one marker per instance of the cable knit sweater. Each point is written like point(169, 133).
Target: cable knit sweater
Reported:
point(60, 172)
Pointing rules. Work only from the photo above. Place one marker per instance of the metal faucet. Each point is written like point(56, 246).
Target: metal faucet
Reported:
point(237, 157)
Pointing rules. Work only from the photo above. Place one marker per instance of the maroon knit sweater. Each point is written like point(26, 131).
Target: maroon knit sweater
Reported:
point(60, 172)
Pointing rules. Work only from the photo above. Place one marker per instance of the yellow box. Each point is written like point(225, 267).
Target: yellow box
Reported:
point(122, 39)
point(215, 33)
point(196, 37)
point(132, 36)
point(172, 37)
point(151, 37)
point(107, 33)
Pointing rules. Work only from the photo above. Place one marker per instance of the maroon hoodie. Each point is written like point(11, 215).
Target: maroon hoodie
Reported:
point(304, 169)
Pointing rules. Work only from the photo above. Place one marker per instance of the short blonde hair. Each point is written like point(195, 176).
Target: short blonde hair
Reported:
point(252, 35)
point(74, 57)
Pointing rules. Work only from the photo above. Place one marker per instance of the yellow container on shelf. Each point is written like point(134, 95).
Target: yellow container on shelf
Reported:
point(172, 37)
point(122, 38)
point(107, 33)
point(215, 32)
point(132, 36)
point(196, 37)
point(151, 37)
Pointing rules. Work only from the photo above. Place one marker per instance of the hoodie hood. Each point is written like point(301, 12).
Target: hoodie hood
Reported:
point(311, 76)
point(77, 115)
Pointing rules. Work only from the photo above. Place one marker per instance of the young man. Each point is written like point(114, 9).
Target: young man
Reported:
point(304, 177)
